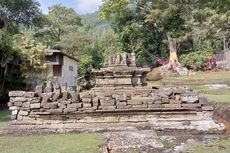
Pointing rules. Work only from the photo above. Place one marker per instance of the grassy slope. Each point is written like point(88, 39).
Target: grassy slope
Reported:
point(65, 143)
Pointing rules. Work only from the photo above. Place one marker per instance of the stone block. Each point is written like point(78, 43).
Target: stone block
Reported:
point(162, 94)
point(26, 105)
point(158, 102)
point(19, 104)
point(135, 101)
point(87, 105)
point(107, 107)
point(74, 105)
point(121, 103)
point(190, 99)
point(178, 91)
point(53, 105)
point(155, 106)
point(12, 99)
point(29, 94)
point(66, 102)
point(196, 105)
point(123, 106)
point(140, 106)
point(74, 96)
point(20, 99)
point(36, 100)
point(174, 101)
point(62, 106)
point(203, 100)
point(70, 110)
point(65, 96)
point(95, 100)
point(14, 112)
point(16, 93)
point(172, 105)
point(165, 100)
point(35, 106)
point(13, 108)
point(107, 103)
point(86, 100)
point(207, 108)
point(23, 113)
point(56, 111)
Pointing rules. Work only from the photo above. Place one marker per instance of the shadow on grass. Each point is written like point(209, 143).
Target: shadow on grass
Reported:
point(4, 118)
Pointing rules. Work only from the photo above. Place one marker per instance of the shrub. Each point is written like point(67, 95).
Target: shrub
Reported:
point(195, 60)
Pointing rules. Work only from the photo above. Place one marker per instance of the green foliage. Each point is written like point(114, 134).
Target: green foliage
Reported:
point(195, 60)
point(59, 21)
point(33, 54)
point(18, 11)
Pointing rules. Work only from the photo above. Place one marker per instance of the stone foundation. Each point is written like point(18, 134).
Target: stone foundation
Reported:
point(112, 109)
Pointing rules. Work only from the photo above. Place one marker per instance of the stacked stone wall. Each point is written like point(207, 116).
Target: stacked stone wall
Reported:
point(54, 101)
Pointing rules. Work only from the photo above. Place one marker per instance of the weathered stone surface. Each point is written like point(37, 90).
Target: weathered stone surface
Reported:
point(107, 107)
point(155, 106)
point(52, 105)
point(139, 106)
point(70, 109)
point(124, 106)
point(135, 102)
point(35, 106)
point(121, 103)
point(29, 94)
point(64, 96)
point(14, 112)
point(172, 105)
point(55, 111)
point(196, 105)
point(74, 105)
point(36, 100)
point(107, 103)
point(189, 99)
point(87, 100)
point(23, 113)
point(74, 96)
point(20, 99)
point(165, 100)
point(16, 93)
point(26, 105)
point(207, 108)
point(87, 105)
point(19, 104)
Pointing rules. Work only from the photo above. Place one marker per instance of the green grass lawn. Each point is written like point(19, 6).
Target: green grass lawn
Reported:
point(199, 78)
point(4, 118)
point(63, 143)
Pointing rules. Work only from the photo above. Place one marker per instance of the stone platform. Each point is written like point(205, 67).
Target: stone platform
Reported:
point(111, 106)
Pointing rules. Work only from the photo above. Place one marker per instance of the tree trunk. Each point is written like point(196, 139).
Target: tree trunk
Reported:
point(173, 58)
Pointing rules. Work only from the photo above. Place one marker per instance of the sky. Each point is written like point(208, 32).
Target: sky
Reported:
point(80, 6)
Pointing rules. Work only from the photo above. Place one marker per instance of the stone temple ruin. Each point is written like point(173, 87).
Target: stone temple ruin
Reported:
point(120, 100)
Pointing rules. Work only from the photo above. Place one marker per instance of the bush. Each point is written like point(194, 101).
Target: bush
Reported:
point(154, 75)
point(195, 60)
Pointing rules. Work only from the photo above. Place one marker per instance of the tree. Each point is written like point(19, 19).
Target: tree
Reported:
point(59, 21)
point(18, 11)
